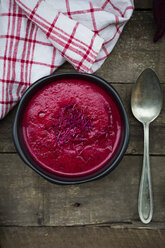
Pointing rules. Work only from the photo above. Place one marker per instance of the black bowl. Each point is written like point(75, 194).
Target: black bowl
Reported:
point(27, 158)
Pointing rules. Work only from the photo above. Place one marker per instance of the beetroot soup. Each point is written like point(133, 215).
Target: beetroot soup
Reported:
point(71, 127)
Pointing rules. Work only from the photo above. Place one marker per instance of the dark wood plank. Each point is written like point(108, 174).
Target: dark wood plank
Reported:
point(141, 4)
point(21, 198)
point(89, 237)
point(6, 140)
point(27, 199)
point(157, 134)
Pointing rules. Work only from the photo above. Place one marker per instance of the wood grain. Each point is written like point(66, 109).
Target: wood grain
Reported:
point(88, 237)
point(27, 199)
point(6, 140)
point(136, 131)
point(141, 4)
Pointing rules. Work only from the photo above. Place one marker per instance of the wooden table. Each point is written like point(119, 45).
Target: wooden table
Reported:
point(35, 213)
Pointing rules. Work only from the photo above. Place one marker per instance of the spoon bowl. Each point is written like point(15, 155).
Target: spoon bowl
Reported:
point(146, 100)
point(146, 104)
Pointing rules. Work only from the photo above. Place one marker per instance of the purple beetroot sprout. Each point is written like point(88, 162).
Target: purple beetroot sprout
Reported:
point(71, 125)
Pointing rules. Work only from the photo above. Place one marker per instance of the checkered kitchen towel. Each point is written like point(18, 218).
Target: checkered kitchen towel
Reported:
point(37, 36)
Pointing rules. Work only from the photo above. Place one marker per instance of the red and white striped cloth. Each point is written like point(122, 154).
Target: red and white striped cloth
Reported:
point(37, 36)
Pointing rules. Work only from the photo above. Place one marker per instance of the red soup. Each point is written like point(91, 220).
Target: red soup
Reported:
point(71, 127)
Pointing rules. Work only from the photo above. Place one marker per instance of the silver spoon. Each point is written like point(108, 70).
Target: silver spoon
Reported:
point(146, 104)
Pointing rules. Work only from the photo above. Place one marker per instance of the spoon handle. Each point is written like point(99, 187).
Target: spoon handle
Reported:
point(145, 201)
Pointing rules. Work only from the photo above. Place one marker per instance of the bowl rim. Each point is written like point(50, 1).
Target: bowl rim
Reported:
point(83, 75)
